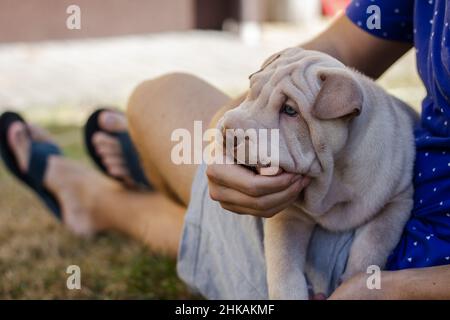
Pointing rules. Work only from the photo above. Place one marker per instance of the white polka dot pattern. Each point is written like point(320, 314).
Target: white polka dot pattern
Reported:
point(426, 238)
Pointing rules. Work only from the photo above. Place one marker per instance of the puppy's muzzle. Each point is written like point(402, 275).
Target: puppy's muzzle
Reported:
point(244, 147)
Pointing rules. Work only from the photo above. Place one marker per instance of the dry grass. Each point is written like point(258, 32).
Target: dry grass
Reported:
point(35, 251)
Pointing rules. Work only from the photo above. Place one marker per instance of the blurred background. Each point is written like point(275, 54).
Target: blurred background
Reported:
point(56, 76)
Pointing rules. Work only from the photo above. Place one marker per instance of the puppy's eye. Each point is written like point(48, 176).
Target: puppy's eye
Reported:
point(290, 111)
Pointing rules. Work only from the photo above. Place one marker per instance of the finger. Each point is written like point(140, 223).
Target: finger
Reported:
point(239, 178)
point(253, 212)
point(263, 203)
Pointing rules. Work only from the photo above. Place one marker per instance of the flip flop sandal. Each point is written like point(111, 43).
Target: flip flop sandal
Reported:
point(129, 152)
point(39, 154)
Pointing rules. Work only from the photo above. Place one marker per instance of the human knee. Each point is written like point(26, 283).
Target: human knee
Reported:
point(149, 96)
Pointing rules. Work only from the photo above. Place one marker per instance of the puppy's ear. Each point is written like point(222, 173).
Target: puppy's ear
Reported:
point(339, 97)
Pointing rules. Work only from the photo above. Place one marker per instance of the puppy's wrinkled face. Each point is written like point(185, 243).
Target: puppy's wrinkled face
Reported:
point(310, 98)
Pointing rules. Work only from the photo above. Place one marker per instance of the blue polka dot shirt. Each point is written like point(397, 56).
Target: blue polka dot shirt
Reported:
point(425, 23)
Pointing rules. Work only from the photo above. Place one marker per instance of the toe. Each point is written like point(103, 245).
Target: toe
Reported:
point(115, 166)
point(108, 147)
point(105, 144)
point(117, 171)
point(108, 151)
point(112, 121)
point(19, 142)
point(113, 161)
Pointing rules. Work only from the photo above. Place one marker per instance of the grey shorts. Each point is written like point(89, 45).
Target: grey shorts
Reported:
point(221, 254)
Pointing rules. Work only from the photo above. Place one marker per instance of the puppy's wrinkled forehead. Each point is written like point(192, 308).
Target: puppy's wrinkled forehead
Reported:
point(294, 72)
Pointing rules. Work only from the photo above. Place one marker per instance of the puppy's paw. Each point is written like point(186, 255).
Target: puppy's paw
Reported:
point(299, 294)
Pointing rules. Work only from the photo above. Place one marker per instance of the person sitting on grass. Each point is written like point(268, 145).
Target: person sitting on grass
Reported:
point(218, 239)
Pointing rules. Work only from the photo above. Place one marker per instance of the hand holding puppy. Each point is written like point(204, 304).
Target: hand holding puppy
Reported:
point(242, 191)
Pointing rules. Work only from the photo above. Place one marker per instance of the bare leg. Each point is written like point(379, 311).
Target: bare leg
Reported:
point(108, 146)
point(92, 202)
point(158, 107)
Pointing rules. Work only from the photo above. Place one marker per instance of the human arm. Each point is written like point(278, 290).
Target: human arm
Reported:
point(424, 283)
point(356, 48)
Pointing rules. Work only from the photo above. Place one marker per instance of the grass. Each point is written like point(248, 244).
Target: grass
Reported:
point(35, 250)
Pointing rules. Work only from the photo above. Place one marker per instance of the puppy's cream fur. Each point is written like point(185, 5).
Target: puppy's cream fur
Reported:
point(356, 143)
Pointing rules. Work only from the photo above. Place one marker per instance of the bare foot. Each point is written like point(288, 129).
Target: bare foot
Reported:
point(108, 147)
point(74, 186)
point(19, 141)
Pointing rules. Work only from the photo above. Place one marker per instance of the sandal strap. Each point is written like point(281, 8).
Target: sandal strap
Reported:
point(39, 154)
point(132, 159)
point(129, 152)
